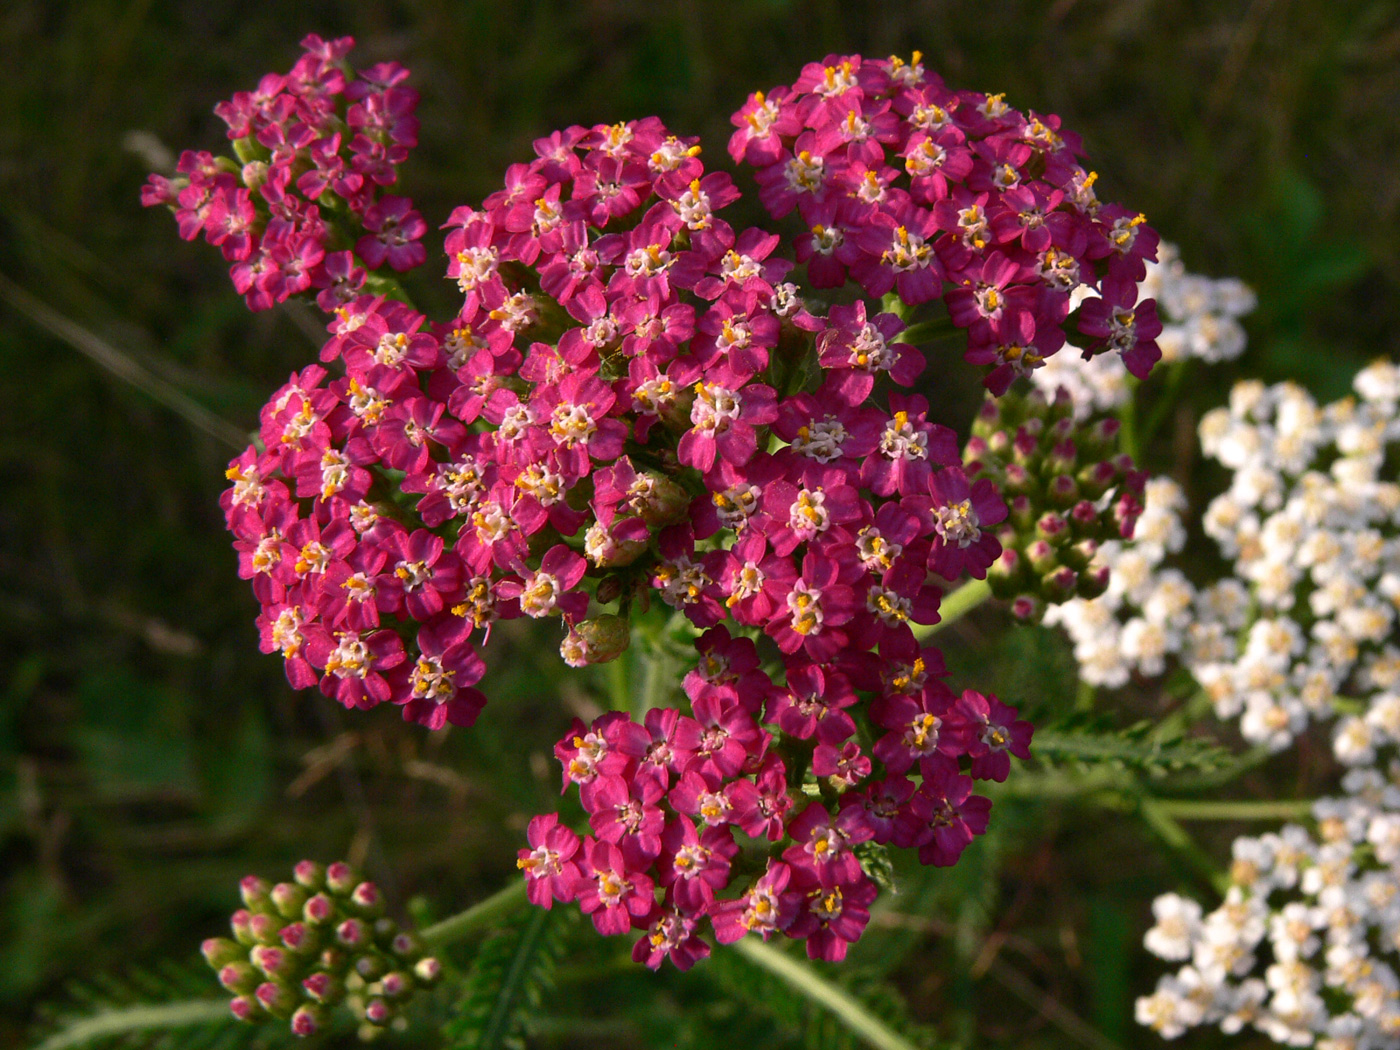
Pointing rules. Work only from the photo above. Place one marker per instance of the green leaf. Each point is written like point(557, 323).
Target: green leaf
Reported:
point(508, 980)
point(1085, 742)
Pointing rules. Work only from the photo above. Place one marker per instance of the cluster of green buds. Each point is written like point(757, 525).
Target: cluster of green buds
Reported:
point(301, 948)
point(1067, 488)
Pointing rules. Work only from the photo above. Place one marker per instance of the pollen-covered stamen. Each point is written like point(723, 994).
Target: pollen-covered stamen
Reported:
point(299, 424)
point(805, 604)
point(589, 750)
point(572, 424)
point(350, 659)
point(826, 844)
point(906, 678)
point(359, 587)
point(736, 505)
point(957, 523)
point(974, 228)
point(542, 482)
point(548, 216)
point(715, 408)
point(733, 335)
point(1006, 177)
point(1123, 233)
point(515, 421)
point(540, 863)
point(391, 349)
point(869, 351)
point(475, 266)
point(907, 251)
point(653, 396)
point(479, 606)
point(761, 118)
point(431, 681)
point(808, 514)
point(714, 807)
point(682, 582)
point(996, 737)
point(925, 159)
point(900, 439)
point(366, 403)
point(313, 557)
point(1023, 360)
point(491, 522)
point(890, 607)
point(541, 596)
point(413, 574)
point(1122, 329)
point(876, 553)
point(248, 488)
point(517, 312)
point(1059, 269)
point(748, 583)
point(267, 555)
point(804, 173)
point(989, 300)
point(836, 80)
point(671, 154)
point(286, 631)
point(822, 440)
point(762, 912)
point(994, 106)
point(648, 261)
point(826, 239)
point(929, 117)
point(870, 190)
point(694, 208)
point(611, 887)
point(691, 860)
point(921, 735)
point(602, 331)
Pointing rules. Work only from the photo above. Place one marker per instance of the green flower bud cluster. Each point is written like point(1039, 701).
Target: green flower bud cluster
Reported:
point(301, 948)
point(1067, 489)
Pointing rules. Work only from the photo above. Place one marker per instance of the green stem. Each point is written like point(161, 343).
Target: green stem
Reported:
point(1174, 835)
point(835, 1000)
point(138, 1019)
point(1175, 377)
point(1249, 809)
point(955, 606)
point(478, 917)
point(1127, 418)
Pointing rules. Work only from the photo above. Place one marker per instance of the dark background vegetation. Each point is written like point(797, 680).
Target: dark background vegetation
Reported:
point(149, 755)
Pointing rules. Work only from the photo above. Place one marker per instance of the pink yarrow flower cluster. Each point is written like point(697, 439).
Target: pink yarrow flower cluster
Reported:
point(903, 184)
point(319, 140)
point(637, 402)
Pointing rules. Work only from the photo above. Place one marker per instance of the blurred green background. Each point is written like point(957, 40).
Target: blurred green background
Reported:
point(149, 755)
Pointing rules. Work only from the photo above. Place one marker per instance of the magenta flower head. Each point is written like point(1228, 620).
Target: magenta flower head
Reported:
point(636, 410)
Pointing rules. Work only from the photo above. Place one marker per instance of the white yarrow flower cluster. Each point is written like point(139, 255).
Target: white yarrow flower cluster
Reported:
point(1200, 318)
point(1306, 944)
point(1304, 627)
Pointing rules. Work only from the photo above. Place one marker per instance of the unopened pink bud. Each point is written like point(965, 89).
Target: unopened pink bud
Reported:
point(306, 1021)
point(428, 971)
point(324, 988)
point(367, 898)
point(266, 928)
point(309, 875)
point(341, 878)
point(378, 1012)
point(218, 951)
point(396, 984)
point(245, 1008)
point(319, 910)
point(238, 977)
point(255, 892)
point(352, 933)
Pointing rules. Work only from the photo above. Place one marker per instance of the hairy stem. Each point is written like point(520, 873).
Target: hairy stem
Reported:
point(138, 1019)
point(478, 917)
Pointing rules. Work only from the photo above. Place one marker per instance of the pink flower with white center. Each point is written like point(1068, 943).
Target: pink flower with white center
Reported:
point(474, 259)
point(759, 807)
point(702, 796)
point(353, 664)
point(932, 161)
point(816, 604)
point(745, 270)
point(798, 180)
point(844, 767)
point(395, 233)
point(280, 631)
point(959, 520)
point(696, 205)
point(825, 844)
point(724, 419)
point(763, 121)
point(440, 680)
point(835, 913)
point(985, 305)
point(857, 350)
point(898, 253)
point(821, 508)
point(813, 704)
point(769, 907)
point(670, 935)
point(624, 811)
point(546, 591)
point(423, 579)
point(740, 341)
point(578, 422)
point(728, 738)
point(1113, 322)
point(727, 672)
point(995, 735)
point(616, 897)
point(880, 805)
point(943, 816)
point(551, 872)
point(605, 748)
point(892, 603)
point(919, 725)
point(828, 248)
point(736, 496)
point(822, 429)
point(693, 866)
point(880, 544)
point(673, 739)
point(609, 188)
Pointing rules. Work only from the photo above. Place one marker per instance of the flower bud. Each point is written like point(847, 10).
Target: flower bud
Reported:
point(219, 951)
point(396, 985)
point(1058, 585)
point(987, 422)
point(1080, 555)
point(1062, 458)
point(307, 1020)
point(266, 929)
point(428, 971)
point(353, 934)
point(288, 898)
point(664, 502)
point(238, 977)
point(255, 893)
point(597, 640)
point(1053, 528)
point(276, 999)
point(341, 878)
point(406, 946)
point(309, 875)
point(324, 988)
point(609, 590)
point(1028, 609)
point(367, 900)
point(371, 967)
point(318, 910)
point(1007, 575)
point(1020, 516)
point(1093, 581)
point(1062, 492)
point(378, 1012)
point(299, 938)
point(272, 962)
point(245, 1008)
point(1043, 557)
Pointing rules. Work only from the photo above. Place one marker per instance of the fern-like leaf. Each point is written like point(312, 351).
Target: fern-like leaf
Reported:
point(512, 971)
point(1089, 742)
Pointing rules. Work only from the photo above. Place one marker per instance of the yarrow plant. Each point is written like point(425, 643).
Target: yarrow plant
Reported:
point(638, 405)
